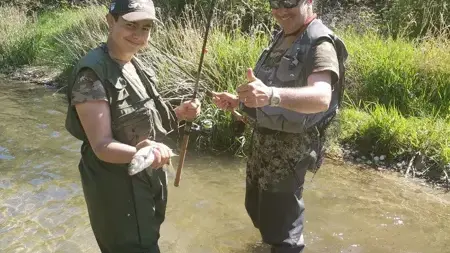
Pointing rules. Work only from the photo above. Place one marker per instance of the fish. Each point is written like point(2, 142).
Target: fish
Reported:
point(144, 157)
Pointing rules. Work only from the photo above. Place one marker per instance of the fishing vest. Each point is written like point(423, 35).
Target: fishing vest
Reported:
point(293, 71)
point(137, 110)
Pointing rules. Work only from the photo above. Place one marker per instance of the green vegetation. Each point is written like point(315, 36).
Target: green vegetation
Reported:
point(28, 40)
point(412, 77)
point(398, 85)
point(384, 131)
point(18, 44)
point(397, 18)
point(416, 18)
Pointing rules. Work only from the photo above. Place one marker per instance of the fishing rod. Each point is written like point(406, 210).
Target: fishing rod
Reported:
point(188, 125)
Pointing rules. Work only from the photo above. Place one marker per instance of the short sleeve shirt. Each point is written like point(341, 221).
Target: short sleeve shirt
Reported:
point(87, 87)
point(324, 56)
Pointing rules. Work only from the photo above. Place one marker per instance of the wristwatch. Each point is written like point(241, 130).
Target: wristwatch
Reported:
point(275, 98)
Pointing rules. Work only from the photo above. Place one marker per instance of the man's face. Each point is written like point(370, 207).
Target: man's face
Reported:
point(290, 19)
point(130, 36)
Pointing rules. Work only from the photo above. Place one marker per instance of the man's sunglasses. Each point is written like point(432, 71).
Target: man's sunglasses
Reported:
point(277, 4)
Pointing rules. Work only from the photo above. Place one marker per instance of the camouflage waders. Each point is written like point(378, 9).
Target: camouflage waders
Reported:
point(286, 143)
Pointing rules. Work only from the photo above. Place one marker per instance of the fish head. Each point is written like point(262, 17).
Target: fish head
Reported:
point(135, 165)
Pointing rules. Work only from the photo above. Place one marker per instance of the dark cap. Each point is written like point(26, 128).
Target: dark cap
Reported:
point(133, 10)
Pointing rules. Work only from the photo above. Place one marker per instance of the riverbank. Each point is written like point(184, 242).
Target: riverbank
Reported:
point(397, 105)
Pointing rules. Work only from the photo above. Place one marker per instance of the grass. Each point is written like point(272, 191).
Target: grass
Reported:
point(398, 92)
point(412, 77)
point(54, 25)
point(18, 45)
point(384, 131)
point(228, 57)
point(417, 18)
point(26, 40)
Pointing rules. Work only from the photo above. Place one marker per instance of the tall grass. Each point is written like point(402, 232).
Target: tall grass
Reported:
point(417, 18)
point(397, 18)
point(412, 77)
point(71, 34)
point(26, 39)
point(228, 56)
point(18, 43)
point(233, 14)
point(175, 52)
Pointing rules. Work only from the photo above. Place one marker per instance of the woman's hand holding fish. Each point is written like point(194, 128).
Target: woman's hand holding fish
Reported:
point(161, 152)
point(188, 110)
point(162, 155)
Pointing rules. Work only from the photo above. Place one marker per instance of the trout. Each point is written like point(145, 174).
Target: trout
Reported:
point(144, 157)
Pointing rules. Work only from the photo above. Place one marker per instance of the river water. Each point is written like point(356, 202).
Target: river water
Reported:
point(42, 208)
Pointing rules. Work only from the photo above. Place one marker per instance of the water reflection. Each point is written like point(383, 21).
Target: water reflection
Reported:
point(42, 208)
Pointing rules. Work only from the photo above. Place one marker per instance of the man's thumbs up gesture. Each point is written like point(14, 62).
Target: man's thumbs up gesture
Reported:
point(255, 93)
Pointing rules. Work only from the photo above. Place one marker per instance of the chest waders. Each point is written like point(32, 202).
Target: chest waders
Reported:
point(288, 142)
point(125, 212)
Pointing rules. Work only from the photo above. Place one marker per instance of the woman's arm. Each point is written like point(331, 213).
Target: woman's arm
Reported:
point(96, 121)
point(92, 106)
point(89, 98)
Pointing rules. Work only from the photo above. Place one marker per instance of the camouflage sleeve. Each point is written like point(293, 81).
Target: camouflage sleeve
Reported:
point(325, 58)
point(87, 87)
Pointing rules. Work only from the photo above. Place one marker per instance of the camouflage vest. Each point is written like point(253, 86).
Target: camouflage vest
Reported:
point(137, 111)
point(293, 71)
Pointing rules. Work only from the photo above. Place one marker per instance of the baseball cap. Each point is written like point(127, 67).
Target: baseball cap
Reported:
point(133, 10)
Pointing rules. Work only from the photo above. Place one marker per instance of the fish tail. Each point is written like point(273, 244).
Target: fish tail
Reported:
point(170, 171)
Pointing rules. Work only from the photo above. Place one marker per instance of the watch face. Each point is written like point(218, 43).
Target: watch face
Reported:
point(275, 100)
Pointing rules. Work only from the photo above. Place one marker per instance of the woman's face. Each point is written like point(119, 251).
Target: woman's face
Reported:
point(130, 37)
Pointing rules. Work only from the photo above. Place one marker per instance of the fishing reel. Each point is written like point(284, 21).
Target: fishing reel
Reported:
point(205, 127)
point(238, 127)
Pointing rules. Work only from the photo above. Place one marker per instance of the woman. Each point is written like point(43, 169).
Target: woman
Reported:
point(115, 110)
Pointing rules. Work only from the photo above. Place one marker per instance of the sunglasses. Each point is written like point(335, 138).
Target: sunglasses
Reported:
point(277, 4)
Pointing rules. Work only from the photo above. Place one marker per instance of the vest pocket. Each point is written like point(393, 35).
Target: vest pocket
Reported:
point(133, 127)
point(289, 71)
point(157, 120)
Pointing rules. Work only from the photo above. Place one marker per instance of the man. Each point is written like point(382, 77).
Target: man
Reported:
point(115, 109)
point(294, 94)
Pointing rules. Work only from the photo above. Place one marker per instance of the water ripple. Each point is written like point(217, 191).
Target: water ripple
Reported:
point(55, 134)
point(53, 112)
point(5, 155)
point(5, 184)
point(42, 126)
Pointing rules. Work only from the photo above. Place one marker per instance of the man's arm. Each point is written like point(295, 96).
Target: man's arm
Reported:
point(316, 96)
